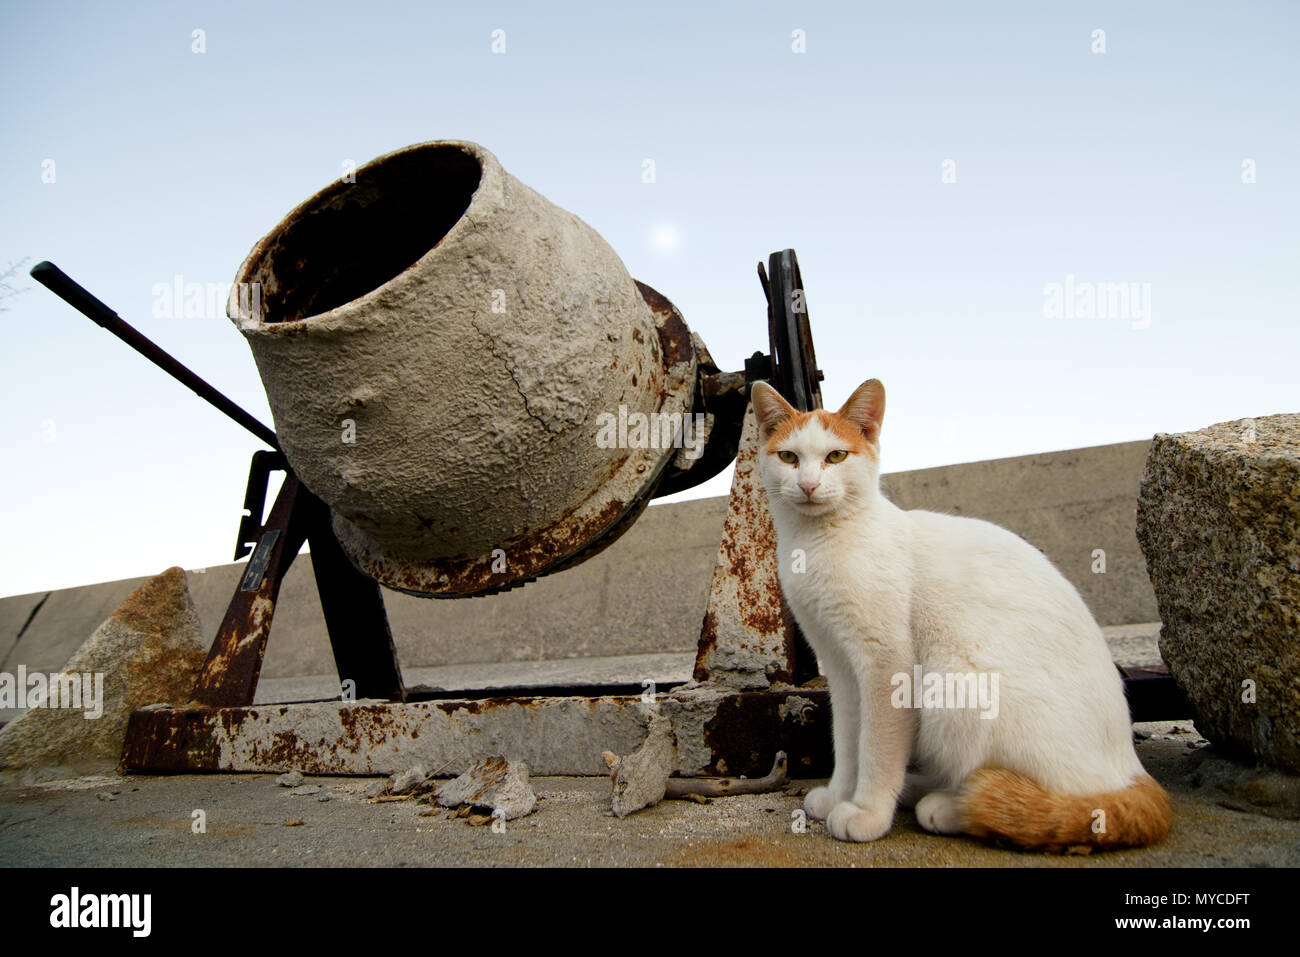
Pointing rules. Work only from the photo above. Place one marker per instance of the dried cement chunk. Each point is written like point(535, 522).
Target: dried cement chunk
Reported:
point(492, 782)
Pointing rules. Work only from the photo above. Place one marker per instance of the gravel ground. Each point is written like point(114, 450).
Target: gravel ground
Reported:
point(1226, 814)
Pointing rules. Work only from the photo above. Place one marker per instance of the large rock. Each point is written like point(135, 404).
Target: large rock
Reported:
point(149, 651)
point(1219, 523)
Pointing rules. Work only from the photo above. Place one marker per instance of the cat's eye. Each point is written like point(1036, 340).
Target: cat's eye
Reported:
point(788, 457)
point(839, 455)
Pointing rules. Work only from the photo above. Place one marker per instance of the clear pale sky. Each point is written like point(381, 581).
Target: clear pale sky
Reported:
point(1123, 166)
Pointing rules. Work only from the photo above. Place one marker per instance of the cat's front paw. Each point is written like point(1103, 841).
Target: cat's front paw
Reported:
point(819, 802)
point(848, 822)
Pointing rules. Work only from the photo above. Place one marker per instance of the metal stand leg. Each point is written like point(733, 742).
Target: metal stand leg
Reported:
point(749, 639)
point(229, 678)
point(354, 615)
point(352, 603)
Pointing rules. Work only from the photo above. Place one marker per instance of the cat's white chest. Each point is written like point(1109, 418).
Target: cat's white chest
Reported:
point(839, 587)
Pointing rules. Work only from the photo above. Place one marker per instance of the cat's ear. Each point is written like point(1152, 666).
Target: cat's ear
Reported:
point(769, 408)
point(866, 408)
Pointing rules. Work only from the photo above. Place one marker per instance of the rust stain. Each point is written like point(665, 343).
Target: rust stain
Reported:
point(451, 707)
point(745, 852)
point(708, 641)
point(748, 729)
point(192, 740)
point(674, 339)
point(567, 542)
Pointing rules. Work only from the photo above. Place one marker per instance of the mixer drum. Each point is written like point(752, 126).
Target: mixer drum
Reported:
point(437, 342)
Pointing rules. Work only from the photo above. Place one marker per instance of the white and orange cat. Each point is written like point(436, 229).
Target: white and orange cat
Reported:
point(903, 606)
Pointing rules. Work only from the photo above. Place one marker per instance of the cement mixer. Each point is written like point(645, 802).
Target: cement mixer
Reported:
point(441, 347)
point(469, 391)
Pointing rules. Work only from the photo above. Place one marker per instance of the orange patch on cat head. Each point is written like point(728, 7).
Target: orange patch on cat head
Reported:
point(854, 438)
point(833, 422)
point(857, 423)
point(782, 430)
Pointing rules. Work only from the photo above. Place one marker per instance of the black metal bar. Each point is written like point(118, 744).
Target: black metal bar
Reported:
point(58, 282)
point(353, 607)
point(259, 479)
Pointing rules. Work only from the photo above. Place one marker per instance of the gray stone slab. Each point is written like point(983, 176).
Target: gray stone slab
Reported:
point(663, 668)
point(1134, 645)
point(16, 614)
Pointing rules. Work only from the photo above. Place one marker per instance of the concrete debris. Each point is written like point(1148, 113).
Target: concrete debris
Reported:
point(406, 782)
point(640, 779)
point(306, 790)
point(290, 779)
point(150, 649)
point(1219, 523)
point(644, 778)
point(495, 783)
point(800, 709)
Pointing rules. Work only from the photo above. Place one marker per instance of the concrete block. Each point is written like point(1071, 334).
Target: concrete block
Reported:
point(1068, 504)
point(1219, 521)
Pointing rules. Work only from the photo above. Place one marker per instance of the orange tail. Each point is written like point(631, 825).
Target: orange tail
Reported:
point(1009, 806)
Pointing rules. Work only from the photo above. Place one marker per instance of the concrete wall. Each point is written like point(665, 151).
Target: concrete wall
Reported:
point(647, 592)
point(1066, 503)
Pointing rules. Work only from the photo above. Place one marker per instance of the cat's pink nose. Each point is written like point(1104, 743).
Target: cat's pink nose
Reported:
point(809, 487)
